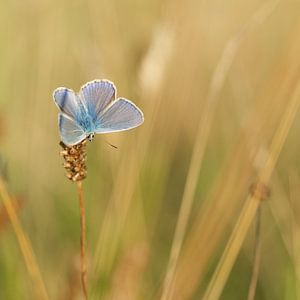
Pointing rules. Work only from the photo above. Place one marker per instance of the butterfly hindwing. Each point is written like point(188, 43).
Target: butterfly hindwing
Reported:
point(121, 115)
point(70, 132)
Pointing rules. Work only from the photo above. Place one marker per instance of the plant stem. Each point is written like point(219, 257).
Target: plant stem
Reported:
point(219, 279)
point(83, 269)
point(25, 245)
point(257, 255)
point(218, 79)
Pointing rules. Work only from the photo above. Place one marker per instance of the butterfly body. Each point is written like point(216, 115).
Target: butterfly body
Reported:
point(84, 119)
point(94, 109)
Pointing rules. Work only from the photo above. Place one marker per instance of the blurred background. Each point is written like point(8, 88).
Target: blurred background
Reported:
point(214, 79)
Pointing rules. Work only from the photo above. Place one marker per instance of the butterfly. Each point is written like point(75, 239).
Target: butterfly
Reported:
point(95, 109)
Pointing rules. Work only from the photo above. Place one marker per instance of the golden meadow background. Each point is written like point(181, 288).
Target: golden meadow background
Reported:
point(218, 82)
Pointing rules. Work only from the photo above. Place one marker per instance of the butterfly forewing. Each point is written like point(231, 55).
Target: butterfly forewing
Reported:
point(67, 102)
point(120, 115)
point(96, 96)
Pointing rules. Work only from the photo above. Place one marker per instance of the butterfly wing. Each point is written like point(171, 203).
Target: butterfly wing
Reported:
point(94, 108)
point(70, 132)
point(67, 102)
point(121, 115)
point(73, 120)
point(96, 96)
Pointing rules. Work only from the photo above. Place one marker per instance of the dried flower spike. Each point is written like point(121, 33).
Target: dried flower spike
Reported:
point(95, 109)
point(75, 158)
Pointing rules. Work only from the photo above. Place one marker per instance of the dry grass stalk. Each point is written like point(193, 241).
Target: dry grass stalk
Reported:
point(195, 166)
point(218, 211)
point(4, 218)
point(257, 255)
point(284, 213)
point(204, 125)
point(295, 240)
point(128, 175)
point(25, 245)
point(231, 251)
point(75, 159)
point(83, 268)
point(208, 229)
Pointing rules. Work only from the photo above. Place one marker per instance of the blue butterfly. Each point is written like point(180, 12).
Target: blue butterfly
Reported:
point(94, 109)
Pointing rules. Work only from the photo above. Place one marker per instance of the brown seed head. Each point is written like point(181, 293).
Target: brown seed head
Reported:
point(75, 157)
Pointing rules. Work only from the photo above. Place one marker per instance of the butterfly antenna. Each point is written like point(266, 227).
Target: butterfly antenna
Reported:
point(111, 145)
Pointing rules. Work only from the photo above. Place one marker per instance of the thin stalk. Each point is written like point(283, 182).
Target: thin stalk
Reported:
point(217, 82)
point(25, 245)
point(196, 163)
point(219, 279)
point(257, 255)
point(83, 268)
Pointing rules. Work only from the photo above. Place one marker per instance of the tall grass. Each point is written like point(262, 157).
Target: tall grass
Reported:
point(168, 213)
point(25, 245)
